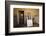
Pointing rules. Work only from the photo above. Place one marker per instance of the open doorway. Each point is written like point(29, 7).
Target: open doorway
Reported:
point(21, 18)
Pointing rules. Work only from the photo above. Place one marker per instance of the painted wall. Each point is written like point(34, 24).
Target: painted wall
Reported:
point(34, 13)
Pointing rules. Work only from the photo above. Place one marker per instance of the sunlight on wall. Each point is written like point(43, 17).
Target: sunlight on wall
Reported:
point(28, 11)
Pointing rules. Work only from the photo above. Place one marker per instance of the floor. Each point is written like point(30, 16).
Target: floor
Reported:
point(23, 25)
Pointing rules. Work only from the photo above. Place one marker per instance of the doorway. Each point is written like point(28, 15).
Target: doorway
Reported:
point(21, 18)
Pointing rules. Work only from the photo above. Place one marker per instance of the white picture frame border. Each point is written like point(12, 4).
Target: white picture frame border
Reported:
point(25, 29)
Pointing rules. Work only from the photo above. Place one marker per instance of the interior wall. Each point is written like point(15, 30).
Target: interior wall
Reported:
point(27, 11)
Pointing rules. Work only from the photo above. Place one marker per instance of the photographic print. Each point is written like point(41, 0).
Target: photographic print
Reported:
point(24, 17)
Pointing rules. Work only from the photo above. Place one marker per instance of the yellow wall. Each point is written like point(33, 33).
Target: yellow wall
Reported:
point(28, 11)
